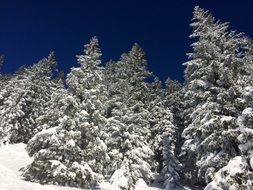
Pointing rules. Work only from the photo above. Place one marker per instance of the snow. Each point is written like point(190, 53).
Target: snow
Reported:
point(233, 168)
point(13, 157)
point(248, 91)
point(247, 111)
point(246, 146)
point(118, 179)
point(47, 131)
point(226, 118)
point(251, 162)
point(84, 113)
point(141, 185)
point(71, 143)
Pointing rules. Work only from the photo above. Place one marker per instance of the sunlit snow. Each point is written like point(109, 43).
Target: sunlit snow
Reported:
point(13, 157)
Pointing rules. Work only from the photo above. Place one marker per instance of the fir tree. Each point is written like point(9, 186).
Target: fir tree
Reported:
point(72, 152)
point(210, 94)
point(172, 170)
point(24, 98)
point(87, 83)
point(1, 60)
point(128, 120)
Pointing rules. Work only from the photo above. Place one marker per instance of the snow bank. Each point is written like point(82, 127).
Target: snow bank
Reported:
point(232, 176)
point(13, 157)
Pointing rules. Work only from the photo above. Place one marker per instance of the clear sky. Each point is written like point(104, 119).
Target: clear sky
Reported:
point(30, 29)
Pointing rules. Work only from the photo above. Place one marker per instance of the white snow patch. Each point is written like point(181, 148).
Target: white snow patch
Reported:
point(247, 111)
point(118, 179)
point(233, 168)
point(141, 185)
point(84, 113)
point(13, 157)
point(71, 143)
point(251, 162)
point(226, 119)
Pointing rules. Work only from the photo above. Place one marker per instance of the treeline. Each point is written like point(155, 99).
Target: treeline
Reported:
point(118, 123)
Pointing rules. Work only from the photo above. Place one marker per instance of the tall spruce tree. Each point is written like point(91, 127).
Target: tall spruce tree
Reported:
point(24, 99)
point(87, 83)
point(238, 172)
point(210, 94)
point(172, 168)
point(128, 125)
point(72, 151)
point(1, 60)
point(164, 135)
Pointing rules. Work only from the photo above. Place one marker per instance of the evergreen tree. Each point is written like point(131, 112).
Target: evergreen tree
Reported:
point(59, 156)
point(172, 86)
point(128, 124)
point(72, 152)
point(165, 136)
point(238, 172)
point(118, 123)
point(245, 104)
point(87, 84)
point(1, 60)
point(210, 94)
point(23, 100)
point(4, 78)
point(171, 172)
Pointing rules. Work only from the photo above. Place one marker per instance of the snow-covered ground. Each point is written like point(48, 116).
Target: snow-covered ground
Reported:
point(13, 157)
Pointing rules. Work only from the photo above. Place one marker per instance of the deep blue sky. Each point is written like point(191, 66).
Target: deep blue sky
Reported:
point(30, 29)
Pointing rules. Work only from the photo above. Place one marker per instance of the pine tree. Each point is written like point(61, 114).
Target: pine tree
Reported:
point(210, 94)
point(238, 172)
point(245, 103)
point(24, 98)
point(72, 152)
point(114, 114)
point(58, 151)
point(128, 124)
point(53, 109)
point(87, 83)
point(164, 137)
point(1, 60)
point(171, 171)
point(4, 78)
point(172, 86)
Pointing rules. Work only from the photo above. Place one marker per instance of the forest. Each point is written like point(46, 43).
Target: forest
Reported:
point(118, 122)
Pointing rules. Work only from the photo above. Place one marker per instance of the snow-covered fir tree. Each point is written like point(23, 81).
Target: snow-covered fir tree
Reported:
point(58, 153)
point(114, 113)
point(1, 60)
point(72, 152)
point(3, 77)
point(210, 93)
point(87, 83)
point(128, 126)
point(4, 80)
point(53, 107)
point(237, 174)
point(172, 171)
point(245, 103)
point(24, 99)
point(164, 135)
